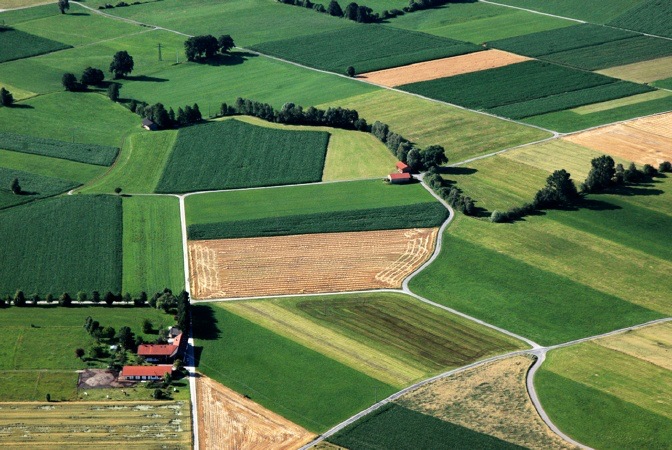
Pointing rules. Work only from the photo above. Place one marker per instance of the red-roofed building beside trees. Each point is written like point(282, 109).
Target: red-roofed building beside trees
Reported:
point(145, 372)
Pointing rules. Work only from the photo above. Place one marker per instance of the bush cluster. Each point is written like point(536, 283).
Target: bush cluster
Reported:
point(90, 77)
point(207, 46)
point(165, 119)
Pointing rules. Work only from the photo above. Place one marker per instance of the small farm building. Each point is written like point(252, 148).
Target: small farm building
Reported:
point(145, 372)
point(174, 332)
point(399, 178)
point(163, 353)
point(403, 167)
point(149, 125)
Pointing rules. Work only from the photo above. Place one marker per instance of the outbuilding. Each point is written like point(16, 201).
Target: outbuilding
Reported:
point(149, 125)
point(403, 167)
point(399, 178)
point(145, 372)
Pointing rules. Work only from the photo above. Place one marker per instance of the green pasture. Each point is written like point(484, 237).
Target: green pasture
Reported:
point(18, 94)
point(34, 385)
point(88, 118)
point(393, 426)
point(54, 247)
point(152, 242)
point(606, 399)
point(140, 165)
point(232, 154)
point(665, 84)
point(32, 186)
point(642, 72)
point(393, 338)
point(463, 134)
point(625, 101)
point(477, 22)
point(296, 200)
point(278, 373)
point(50, 167)
point(649, 16)
point(600, 11)
point(385, 47)
point(79, 27)
point(17, 16)
point(17, 44)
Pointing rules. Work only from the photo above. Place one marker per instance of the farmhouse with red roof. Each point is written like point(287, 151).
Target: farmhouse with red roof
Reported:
point(165, 353)
point(399, 178)
point(145, 372)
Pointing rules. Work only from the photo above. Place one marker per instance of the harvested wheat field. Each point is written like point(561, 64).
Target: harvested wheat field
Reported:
point(146, 425)
point(491, 399)
point(226, 419)
point(644, 141)
point(441, 68)
point(652, 344)
point(308, 263)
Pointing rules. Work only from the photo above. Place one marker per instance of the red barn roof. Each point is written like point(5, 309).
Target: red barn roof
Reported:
point(400, 176)
point(402, 166)
point(146, 371)
point(157, 350)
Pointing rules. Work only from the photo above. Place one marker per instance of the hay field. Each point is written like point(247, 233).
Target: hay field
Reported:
point(642, 72)
point(93, 424)
point(307, 263)
point(644, 141)
point(652, 344)
point(445, 67)
point(491, 399)
point(227, 419)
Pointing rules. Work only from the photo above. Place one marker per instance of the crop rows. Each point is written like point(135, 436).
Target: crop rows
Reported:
point(650, 16)
point(234, 154)
point(419, 215)
point(366, 48)
point(84, 153)
point(32, 187)
point(17, 44)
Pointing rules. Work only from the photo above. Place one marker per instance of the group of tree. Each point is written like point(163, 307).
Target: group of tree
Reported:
point(63, 5)
point(95, 330)
point(6, 97)
point(348, 119)
point(90, 77)
point(204, 47)
point(450, 194)
point(166, 119)
point(65, 299)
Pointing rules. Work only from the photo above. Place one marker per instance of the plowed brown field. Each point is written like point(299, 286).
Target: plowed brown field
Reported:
point(644, 141)
point(440, 68)
point(308, 263)
point(226, 419)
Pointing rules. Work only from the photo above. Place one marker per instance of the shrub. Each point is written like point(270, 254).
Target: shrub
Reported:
point(665, 166)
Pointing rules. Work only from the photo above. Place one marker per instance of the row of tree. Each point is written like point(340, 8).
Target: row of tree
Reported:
point(158, 300)
point(203, 47)
point(418, 159)
point(166, 119)
point(450, 194)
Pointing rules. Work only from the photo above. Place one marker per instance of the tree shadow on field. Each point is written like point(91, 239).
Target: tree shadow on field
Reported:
point(595, 205)
point(640, 189)
point(79, 14)
point(204, 323)
point(146, 78)
point(457, 170)
point(21, 106)
point(231, 59)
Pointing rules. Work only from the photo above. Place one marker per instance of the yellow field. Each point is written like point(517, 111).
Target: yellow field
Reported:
point(490, 399)
point(652, 344)
point(227, 420)
point(310, 263)
point(642, 72)
point(146, 425)
point(611, 104)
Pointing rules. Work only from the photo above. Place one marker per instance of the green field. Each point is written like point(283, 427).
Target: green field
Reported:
point(152, 242)
point(141, 162)
point(89, 118)
point(17, 44)
point(233, 154)
point(463, 134)
point(393, 426)
point(605, 398)
point(33, 187)
point(393, 338)
point(50, 167)
point(54, 248)
point(477, 22)
point(34, 385)
point(649, 16)
point(279, 374)
point(385, 47)
point(625, 101)
point(600, 11)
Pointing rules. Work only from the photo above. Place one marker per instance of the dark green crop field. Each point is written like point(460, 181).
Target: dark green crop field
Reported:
point(650, 16)
point(419, 215)
point(33, 186)
point(84, 153)
point(393, 426)
point(600, 11)
point(233, 154)
point(17, 44)
point(61, 245)
point(365, 47)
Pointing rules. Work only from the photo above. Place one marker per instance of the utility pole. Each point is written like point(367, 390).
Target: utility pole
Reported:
point(177, 57)
point(160, 59)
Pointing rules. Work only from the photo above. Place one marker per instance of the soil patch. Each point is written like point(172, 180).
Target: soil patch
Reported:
point(102, 378)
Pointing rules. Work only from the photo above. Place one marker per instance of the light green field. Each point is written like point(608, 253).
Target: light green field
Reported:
point(462, 133)
point(294, 200)
point(152, 240)
point(34, 385)
point(140, 164)
point(477, 22)
point(611, 104)
point(624, 401)
point(651, 343)
point(350, 155)
point(393, 338)
point(78, 27)
point(51, 167)
point(642, 72)
point(9, 4)
point(18, 94)
point(92, 118)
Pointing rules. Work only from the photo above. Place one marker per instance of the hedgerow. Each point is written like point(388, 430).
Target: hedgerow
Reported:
point(419, 215)
point(85, 153)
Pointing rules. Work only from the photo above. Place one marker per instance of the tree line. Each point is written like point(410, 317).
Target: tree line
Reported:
point(166, 119)
point(450, 193)
point(203, 47)
point(122, 64)
point(291, 114)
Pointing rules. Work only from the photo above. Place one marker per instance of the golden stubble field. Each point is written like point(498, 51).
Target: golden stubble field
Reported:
point(227, 420)
point(309, 263)
point(441, 68)
point(59, 425)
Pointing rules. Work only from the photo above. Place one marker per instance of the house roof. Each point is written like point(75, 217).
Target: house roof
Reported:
point(147, 122)
point(400, 176)
point(157, 350)
point(402, 166)
point(179, 341)
point(146, 371)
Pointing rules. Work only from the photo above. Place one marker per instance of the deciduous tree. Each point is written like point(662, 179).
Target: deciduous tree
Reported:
point(63, 5)
point(6, 97)
point(122, 64)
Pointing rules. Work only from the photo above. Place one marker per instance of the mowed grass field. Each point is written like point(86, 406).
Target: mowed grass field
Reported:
point(391, 337)
point(232, 154)
point(19, 44)
point(54, 249)
point(33, 187)
point(152, 242)
point(606, 398)
point(278, 373)
point(34, 385)
point(50, 167)
point(463, 134)
point(642, 72)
